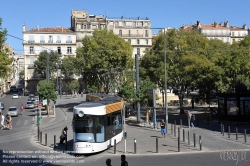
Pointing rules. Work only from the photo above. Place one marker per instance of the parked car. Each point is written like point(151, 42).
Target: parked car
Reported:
point(13, 111)
point(30, 104)
point(2, 106)
point(15, 96)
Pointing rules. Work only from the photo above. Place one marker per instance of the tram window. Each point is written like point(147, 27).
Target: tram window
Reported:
point(99, 125)
point(116, 121)
point(84, 125)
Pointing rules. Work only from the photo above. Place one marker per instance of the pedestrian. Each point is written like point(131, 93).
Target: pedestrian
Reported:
point(123, 159)
point(108, 162)
point(163, 130)
point(8, 122)
point(2, 126)
point(192, 121)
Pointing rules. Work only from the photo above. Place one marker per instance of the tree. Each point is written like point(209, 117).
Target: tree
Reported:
point(5, 60)
point(127, 91)
point(74, 86)
point(103, 57)
point(145, 86)
point(41, 62)
point(47, 91)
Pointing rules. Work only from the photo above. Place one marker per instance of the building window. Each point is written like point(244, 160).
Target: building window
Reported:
point(31, 62)
point(238, 33)
point(146, 41)
point(50, 49)
point(69, 50)
point(129, 40)
point(138, 41)
point(59, 50)
point(129, 33)
point(137, 32)
point(42, 49)
point(146, 33)
point(69, 39)
point(84, 26)
point(232, 33)
point(42, 39)
point(31, 39)
point(138, 51)
point(120, 32)
point(50, 39)
point(32, 51)
point(78, 26)
point(58, 39)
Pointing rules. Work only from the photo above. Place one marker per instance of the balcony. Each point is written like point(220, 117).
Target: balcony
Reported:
point(69, 41)
point(32, 52)
point(31, 66)
point(131, 35)
point(50, 41)
point(58, 41)
point(31, 41)
point(69, 52)
point(42, 41)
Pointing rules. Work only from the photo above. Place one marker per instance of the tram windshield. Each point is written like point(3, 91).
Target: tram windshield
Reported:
point(89, 129)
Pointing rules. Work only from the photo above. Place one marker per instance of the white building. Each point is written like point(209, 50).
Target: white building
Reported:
point(59, 39)
point(220, 31)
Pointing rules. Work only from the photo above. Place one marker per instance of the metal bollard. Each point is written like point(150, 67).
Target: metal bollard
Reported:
point(223, 130)
point(236, 130)
point(54, 141)
point(179, 144)
point(194, 140)
point(175, 128)
point(115, 146)
point(134, 146)
point(46, 139)
point(41, 137)
point(179, 133)
point(183, 135)
point(200, 143)
point(180, 123)
point(228, 131)
point(172, 129)
point(188, 138)
point(245, 135)
point(156, 145)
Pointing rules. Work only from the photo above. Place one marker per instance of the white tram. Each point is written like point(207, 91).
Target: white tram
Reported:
point(97, 124)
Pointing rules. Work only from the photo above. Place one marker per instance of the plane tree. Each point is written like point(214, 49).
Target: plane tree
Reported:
point(5, 60)
point(103, 59)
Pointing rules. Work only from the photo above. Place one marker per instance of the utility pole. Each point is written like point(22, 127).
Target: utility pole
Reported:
point(137, 86)
point(165, 80)
point(47, 68)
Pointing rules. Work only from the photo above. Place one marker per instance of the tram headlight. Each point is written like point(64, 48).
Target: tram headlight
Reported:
point(81, 114)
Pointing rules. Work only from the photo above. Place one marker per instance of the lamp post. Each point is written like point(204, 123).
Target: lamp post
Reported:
point(47, 68)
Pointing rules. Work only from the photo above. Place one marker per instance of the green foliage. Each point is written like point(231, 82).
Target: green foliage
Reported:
point(5, 60)
point(93, 88)
point(145, 86)
point(127, 92)
point(41, 62)
point(103, 57)
point(47, 90)
point(21, 73)
point(68, 66)
point(74, 85)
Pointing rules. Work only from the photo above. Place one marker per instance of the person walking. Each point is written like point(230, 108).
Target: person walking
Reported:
point(108, 162)
point(2, 121)
point(21, 108)
point(163, 130)
point(8, 122)
point(192, 120)
point(123, 159)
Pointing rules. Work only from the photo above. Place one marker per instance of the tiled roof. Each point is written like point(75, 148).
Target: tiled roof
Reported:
point(212, 26)
point(56, 29)
point(235, 28)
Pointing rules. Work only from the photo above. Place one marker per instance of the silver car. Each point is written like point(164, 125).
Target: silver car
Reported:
point(30, 104)
point(13, 111)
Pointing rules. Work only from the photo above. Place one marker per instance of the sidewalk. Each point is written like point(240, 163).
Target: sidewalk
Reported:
point(143, 133)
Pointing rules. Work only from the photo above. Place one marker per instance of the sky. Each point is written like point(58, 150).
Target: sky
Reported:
point(162, 13)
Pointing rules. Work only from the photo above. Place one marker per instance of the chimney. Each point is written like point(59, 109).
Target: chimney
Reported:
point(122, 17)
point(24, 27)
point(198, 24)
point(244, 26)
point(215, 24)
point(226, 24)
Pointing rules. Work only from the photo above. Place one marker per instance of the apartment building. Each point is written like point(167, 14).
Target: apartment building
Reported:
point(59, 39)
point(220, 31)
point(136, 31)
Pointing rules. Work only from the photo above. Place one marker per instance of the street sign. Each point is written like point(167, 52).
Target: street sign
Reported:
point(45, 102)
point(40, 105)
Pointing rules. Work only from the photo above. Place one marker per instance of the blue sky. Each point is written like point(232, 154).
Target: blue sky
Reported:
point(162, 13)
